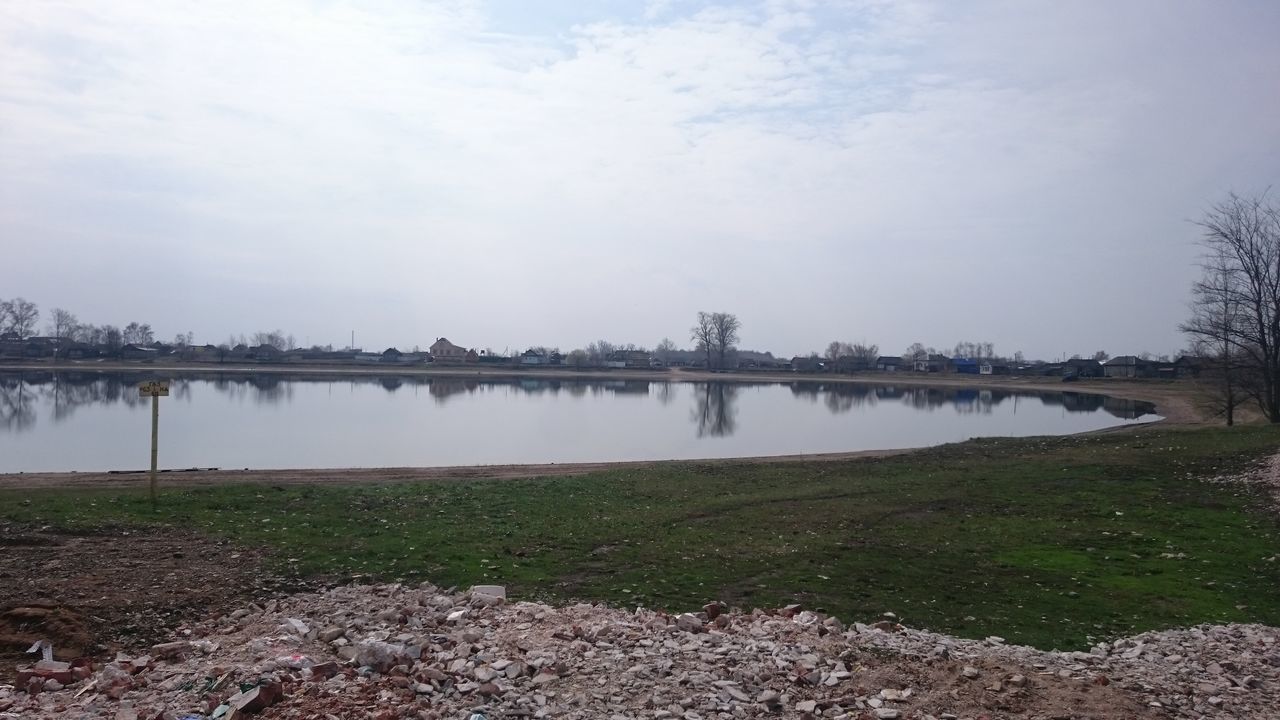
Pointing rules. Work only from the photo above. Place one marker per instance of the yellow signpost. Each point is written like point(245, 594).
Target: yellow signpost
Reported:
point(154, 389)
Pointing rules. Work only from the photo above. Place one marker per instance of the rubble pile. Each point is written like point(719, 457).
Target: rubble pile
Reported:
point(390, 651)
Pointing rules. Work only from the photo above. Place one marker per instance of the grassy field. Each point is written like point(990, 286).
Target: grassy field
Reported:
point(1048, 541)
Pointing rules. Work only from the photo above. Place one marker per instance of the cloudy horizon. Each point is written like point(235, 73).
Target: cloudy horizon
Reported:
point(511, 174)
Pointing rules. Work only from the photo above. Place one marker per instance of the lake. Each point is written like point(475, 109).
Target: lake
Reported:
point(87, 421)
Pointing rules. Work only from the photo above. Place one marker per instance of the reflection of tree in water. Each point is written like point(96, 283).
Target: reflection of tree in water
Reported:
point(665, 392)
point(806, 390)
point(62, 393)
point(17, 405)
point(713, 408)
point(843, 397)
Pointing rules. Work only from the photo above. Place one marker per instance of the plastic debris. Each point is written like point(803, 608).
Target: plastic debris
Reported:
point(44, 647)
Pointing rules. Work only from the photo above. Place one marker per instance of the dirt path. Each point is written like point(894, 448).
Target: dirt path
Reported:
point(350, 476)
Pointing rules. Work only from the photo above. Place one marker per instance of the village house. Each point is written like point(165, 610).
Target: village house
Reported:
point(1189, 366)
point(806, 364)
point(446, 352)
point(78, 351)
point(988, 367)
point(634, 359)
point(888, 363)
point(1082, 368)
point(266, 353)
point(534, 358)
point(931, 363)
point(202, 353)
point(1129, 366)
point(138, 352)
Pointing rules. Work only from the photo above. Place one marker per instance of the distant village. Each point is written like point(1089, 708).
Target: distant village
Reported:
point(601, 356)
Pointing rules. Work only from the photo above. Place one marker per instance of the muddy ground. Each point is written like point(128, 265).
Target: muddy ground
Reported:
point(96, 594)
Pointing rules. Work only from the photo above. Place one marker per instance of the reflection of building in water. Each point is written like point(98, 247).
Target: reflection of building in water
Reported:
point(627, 387)
point(537, 385)
point(443, 388)
point(1127, 409)
point(1076, 402)
point(889, 392)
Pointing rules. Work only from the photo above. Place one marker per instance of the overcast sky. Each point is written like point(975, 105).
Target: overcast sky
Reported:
point(517, 172)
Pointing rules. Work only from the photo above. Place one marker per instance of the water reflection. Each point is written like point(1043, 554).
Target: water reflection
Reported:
point(714, 410)
point(24, 395)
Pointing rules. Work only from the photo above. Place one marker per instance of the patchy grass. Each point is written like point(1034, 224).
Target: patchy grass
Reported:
point(1049, 541)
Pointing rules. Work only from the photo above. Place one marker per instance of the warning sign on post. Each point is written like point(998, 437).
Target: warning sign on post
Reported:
point(155, 388)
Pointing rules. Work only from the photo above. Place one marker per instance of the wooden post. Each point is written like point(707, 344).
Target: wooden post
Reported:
point(155, 443)
point(154, 390)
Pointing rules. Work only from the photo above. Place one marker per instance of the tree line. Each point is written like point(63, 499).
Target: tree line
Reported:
point(19, 318)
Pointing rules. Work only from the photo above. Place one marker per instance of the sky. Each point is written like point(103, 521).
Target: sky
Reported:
point(518, 173)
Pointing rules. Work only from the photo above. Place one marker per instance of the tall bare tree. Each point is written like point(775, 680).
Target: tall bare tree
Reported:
point(664, 350)
point(138, 334)
point(725, 327)
point(62, 324)
point(867, 354)
point(19, 316)
point(1242, 276)
point(1212, 328)
point(599, 351)
point(703, 334)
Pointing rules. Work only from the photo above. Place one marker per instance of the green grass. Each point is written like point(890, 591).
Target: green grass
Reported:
point(1051, 542)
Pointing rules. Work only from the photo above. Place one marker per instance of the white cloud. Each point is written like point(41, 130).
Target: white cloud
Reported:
point(866, 169)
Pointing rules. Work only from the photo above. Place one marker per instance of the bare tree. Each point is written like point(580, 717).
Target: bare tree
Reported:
point(1242, 276)
point(112, 337)
point(837, 350)
point(62, 324)
point(138, 334)
point(725, 327)
point(703, 334)
point(599, 350)
point(867, 354)
point(1212, 328)
point(18, 316)
point(277, 339)
point(664, 350)
point(975, 350)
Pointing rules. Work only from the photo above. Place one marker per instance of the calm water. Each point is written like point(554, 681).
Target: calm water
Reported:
point(96, 421)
